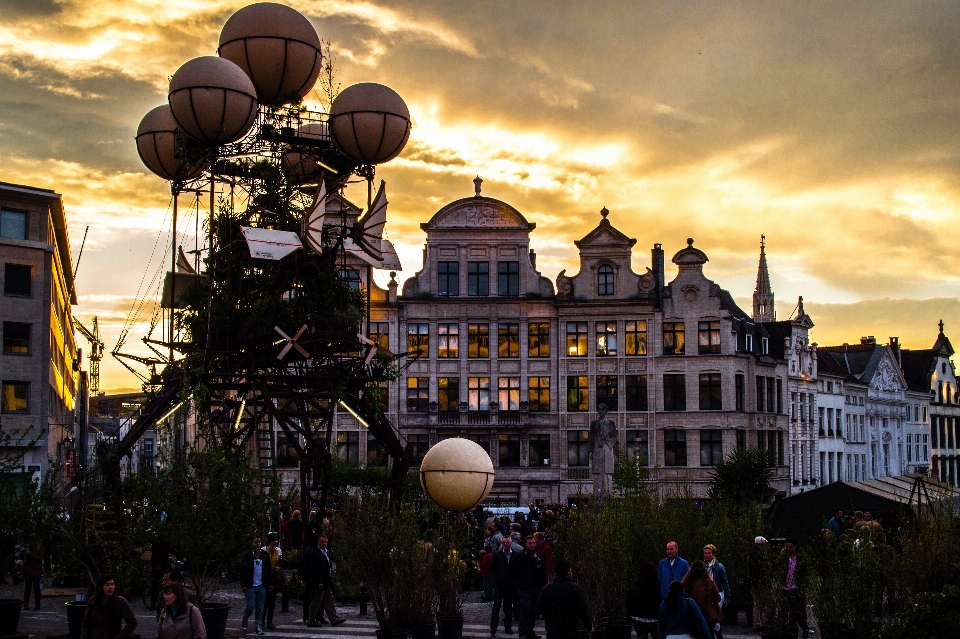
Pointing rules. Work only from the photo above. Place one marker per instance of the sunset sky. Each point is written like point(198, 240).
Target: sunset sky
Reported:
point(832, 127)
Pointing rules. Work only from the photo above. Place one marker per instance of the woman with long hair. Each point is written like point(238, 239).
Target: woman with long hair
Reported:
point(180, 619)
point(108, 615)
point(679, 616)
point(643, 601)
point(698, 585)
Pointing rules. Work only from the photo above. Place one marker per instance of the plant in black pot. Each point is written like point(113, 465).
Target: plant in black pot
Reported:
point(597, 543)
point(449, 576)
point(384, 550)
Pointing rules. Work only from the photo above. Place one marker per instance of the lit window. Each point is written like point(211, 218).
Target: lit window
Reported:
point(509, 393)
point(709, 337)
point(539, 394)
point(606, 338)
point(448, 341)
point(418, 394)
point(538, 340)
point(478, 340)
point(577, 339)
point(636, 336)
point(478, 393)
point(15, 397)
point(577, 394)
point(673, 338)
point(418, 339)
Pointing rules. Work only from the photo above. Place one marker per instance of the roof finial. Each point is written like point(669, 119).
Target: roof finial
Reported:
point(941, 327)
point(476, 185)
point(763, 239)
point(604, 212)
point(689, 241)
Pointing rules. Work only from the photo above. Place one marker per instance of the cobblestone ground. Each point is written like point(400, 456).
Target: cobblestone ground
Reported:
point(51, 618)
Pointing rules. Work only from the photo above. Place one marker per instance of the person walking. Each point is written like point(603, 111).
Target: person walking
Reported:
point(32, 571)
point(698, 585)
point(320, 584)
point(530, 579)
point(643, 601)
point(793, 572)
point(679, 616)
point(563, 606)
point(503, 567)
point(255, 570)
point(179, 619)
point(671, 568)
point(168, 578)
point(719, 575)
point(485, 573)
point(108, 615)
point(274, 582)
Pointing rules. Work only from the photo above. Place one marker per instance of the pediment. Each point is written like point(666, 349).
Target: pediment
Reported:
point(478, 213)
point(605, 235)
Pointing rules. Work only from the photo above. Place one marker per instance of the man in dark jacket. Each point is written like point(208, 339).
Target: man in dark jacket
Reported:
point(563, 606)
point(255, 571)
point(504, 567)
point(320, 584)
point(530, 579)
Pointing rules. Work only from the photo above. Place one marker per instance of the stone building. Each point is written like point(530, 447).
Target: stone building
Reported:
point(496, 355)
point(875, 398)
point(932, 376)
point(38, 364)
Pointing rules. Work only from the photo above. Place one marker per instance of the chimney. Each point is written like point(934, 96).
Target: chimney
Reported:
point(658, 265)
point(533, 258)
point(895, 347)
point(869, 340)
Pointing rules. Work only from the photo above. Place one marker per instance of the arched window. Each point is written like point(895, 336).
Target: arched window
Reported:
point(351, 276)
point(605, 280)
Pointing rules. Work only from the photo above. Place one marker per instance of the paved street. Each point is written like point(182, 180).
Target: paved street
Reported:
point(51, 619)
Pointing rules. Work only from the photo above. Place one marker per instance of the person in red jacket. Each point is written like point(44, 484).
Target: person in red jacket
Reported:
point(485, 572)
point(545, 548)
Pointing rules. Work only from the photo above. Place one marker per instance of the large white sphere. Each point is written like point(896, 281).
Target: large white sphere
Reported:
point(213, 100)
point(370, 123)
point(457, 474)
point(303, 167)
point(157, 146)
point(277, 48)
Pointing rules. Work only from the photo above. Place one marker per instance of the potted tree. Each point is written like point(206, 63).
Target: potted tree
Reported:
point(449, 577)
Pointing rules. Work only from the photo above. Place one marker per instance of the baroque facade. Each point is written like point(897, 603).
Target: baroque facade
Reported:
point(495, 354)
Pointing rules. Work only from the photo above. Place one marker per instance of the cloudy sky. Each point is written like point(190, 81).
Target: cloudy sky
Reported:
point(833, 128)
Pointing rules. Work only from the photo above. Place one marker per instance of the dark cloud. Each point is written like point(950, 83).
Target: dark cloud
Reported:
point(29, 8)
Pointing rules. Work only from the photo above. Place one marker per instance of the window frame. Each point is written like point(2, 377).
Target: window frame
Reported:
point(508, 340)
point(636, 393)
point(351, 277)
point(711, 391)
point(448, 394)
point(675, 331)
point(508, 278)
point(675, 391)
point(635, 338)
point(511, 443)
point(606, 339)
point(578, 393)
point(605, 280)
point(508, 388)
point(538, 339)
point(9, 275)
point(608, 391)
point(478, 279)
point(536, 392)
point(418, 339)
point(539, 443)
point(448, 341)
point(578, 339)
point(711, 447)
point(638, 443)
point(346, 445)
point(675, 448)
point(478, 394)
point(448, 281)
point(478, 340)
point(418, 395)
point(708, 337)
point(578, 448)
point(7, 396)
point(12, 344)
point(5, 225)
point(379, 334)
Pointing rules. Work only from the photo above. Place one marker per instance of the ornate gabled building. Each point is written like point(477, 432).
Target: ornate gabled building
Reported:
point(875, 395)
point(935, 414)
point(495, 355)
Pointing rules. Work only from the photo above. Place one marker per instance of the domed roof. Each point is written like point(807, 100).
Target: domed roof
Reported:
point(269, 19)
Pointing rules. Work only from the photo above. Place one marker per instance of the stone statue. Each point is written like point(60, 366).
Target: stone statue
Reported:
point(603, 437)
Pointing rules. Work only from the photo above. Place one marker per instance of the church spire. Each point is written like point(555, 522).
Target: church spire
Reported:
point(763, 310)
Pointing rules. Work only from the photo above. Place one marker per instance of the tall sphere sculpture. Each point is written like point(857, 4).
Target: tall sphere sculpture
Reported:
point(457, 474)
point(303, 167)
point(157, 146)
point(213, 100)
point(370, 123)
point(277, 47)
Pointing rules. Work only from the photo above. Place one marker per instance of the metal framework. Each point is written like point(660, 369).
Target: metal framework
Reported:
point(256, 374)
